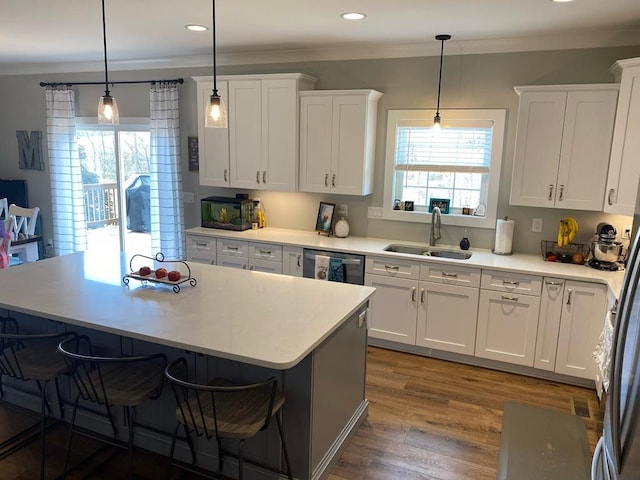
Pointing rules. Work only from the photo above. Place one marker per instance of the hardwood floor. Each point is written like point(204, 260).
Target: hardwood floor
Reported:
point(428, 419)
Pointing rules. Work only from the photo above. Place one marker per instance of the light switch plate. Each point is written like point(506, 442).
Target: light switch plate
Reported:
point(187, 197)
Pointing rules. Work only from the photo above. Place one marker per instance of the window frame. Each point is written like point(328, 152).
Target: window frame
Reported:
point(498, 116)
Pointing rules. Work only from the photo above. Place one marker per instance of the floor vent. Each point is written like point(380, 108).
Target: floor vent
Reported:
point(580, 407)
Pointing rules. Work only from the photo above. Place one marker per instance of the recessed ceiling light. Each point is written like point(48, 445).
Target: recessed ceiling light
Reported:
point(196, 28)
point(353, 16)
point(562, 1)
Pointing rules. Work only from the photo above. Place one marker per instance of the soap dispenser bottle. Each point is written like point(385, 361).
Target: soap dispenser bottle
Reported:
point(465, 243)
point(341, 228)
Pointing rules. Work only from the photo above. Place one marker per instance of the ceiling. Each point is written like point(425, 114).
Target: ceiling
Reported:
point(39, 36)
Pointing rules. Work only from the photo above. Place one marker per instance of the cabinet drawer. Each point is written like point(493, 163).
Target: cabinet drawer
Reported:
point(266, 251)
point(392, 267)
point(511, 282)
point(450, 274)
point(233, 247)
point(201, 244)
point(265, 266)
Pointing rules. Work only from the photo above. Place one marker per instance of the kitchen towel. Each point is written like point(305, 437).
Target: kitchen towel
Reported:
point(336, 270)
point(322, 267)
point(504, 236)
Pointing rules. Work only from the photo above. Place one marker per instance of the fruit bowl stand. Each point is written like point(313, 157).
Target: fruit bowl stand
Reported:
point(565, 253)
point(137, 261)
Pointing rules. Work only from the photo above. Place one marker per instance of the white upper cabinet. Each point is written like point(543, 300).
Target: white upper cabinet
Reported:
point(337, 141)
point(261, 142)
point(624, 168)
point(563, 141)
point(213, 143)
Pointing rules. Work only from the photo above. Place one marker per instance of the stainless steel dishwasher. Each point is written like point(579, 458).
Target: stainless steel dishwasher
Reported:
point(350, 267)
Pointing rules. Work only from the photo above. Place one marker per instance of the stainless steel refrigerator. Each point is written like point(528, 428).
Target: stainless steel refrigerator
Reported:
point(617, 455)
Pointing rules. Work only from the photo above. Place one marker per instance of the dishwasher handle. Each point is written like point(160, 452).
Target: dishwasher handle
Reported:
point(345, 261)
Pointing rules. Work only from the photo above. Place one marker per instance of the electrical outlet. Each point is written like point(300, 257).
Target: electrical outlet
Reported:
point(344, 209)
point(536, 225)
point(626, 232)
point(187, 197)
point(374, 212)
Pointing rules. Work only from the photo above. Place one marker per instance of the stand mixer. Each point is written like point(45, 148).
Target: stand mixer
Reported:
point(606, 251)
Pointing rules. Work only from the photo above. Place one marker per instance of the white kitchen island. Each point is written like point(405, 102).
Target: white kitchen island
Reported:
point(247, 325)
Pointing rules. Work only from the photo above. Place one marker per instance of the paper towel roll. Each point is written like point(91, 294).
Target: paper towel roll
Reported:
point(504, 236)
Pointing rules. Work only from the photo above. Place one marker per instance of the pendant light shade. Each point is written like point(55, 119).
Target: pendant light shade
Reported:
point(442, 38)
point(216, 111)
point(107, 107)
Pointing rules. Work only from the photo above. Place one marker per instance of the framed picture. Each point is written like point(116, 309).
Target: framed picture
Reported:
point(325, 217)
point(194, 157)
point(408, 206)
point(441, 203)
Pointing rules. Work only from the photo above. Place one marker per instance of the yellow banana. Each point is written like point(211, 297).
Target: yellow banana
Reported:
point(573, 228)
point(561, 233)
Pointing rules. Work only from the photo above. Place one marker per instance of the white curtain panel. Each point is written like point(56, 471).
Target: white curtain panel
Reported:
point(67, 201)
point(167, 213)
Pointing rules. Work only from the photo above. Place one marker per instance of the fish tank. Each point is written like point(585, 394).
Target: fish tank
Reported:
point(226, 213)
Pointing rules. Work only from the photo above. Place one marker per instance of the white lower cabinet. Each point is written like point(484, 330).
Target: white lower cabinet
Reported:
point(507, 326)
point(201, 249)
point(292, 261)
point(583, 310)
point(447, 317)
point(549, 324)
point(438, 314)
point(393, 308)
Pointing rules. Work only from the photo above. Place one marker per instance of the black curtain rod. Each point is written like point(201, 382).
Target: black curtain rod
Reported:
point(70, 84)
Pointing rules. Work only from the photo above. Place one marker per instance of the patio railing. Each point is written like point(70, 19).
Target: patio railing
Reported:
point(101, 204)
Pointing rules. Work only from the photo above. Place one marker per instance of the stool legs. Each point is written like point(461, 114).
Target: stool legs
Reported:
point(284, 447)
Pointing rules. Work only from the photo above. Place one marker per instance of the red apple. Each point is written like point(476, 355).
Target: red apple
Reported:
point(161, 272)
point(144, 271)
point(174, 275)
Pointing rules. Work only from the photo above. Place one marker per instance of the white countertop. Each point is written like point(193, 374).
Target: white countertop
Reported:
point(252, 317)
point(481, 258)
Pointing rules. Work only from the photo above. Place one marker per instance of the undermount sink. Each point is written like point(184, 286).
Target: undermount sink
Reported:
point(428, 251)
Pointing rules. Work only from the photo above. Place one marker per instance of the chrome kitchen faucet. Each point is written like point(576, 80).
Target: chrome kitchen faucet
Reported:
point(435, 225)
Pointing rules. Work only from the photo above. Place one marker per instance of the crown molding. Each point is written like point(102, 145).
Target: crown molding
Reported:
point(567, 41)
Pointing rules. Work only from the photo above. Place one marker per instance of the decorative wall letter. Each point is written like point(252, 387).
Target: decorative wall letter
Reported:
point(30, 150)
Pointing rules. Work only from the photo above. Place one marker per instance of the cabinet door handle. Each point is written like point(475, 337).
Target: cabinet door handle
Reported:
point(610, 196)
point(553, 284)
point(392, 267)
point(257, 176)
point(561, 192)
point(509, 298)
point(230, 247)
point(264, 176)
point(326, 179)
point(450, 275)
point(550, 193)
point(513, 283)
point(212, 262)
point(202, 245)
point(265, 252)
point(333, 180)
point(413, 294)
point(250, 267)
point(299, 258)
point(422, 295)
point(569, 293)
point(225, 175)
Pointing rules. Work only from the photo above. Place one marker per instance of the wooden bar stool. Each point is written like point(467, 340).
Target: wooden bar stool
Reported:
point(32, 357)
point(111, 382)
point(223, 410)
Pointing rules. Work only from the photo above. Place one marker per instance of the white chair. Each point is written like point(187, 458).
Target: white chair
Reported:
point(4, 209)
point(22, 225)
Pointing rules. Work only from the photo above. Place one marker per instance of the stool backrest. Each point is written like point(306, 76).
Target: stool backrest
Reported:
point(221, 408)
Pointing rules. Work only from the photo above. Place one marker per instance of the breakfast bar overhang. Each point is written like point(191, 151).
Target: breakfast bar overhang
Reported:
point(310, 334)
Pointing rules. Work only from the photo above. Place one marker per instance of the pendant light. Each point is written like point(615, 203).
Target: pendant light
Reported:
point(443, 38)
point(107, 107)
point(216, 112)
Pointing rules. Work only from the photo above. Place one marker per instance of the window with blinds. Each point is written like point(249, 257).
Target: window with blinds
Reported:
point(456, 162)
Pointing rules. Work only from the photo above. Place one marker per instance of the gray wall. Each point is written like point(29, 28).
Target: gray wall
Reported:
point(469, 81)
